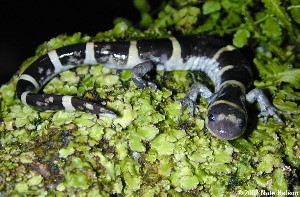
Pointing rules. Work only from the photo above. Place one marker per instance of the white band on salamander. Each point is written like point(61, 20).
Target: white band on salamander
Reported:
point(30, 79)
point(133, 56)
point(67, 103)
point(175, 60)
point(227, 103)
point(223, 49)
point(56, 62)
point(220, 73)
point(24, 96)
point(90, 54)
point(233, 83)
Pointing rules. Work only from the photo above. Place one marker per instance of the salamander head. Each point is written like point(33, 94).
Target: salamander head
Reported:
point(226, 121)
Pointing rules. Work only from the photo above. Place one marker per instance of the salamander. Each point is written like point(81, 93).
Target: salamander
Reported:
point(226, 66)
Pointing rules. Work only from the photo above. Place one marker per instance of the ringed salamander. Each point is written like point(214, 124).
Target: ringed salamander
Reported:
point(222, 63)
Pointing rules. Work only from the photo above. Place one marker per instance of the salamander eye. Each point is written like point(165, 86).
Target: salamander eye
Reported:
point(211, 118)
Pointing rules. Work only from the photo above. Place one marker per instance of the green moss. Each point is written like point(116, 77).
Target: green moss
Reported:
point(211, 6)
point(96, 132)
point(108, 80)
point(147, 132)
point(136, 144)
point(165, 166)
point(77, 180)
point(223, 156)
point(106, 163)
point(65, 152)
point(131, 174)
point(35, 180)
point(22, 188)
point(162, 145)
point(279, 181)
point(69, 77)
point(7, 93)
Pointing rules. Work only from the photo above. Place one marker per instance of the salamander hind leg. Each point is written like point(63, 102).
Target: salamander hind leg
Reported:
point(266, 108)
point(50, 102)
point(139, 71)
point(190, 98)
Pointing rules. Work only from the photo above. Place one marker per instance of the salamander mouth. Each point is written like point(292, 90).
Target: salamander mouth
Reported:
point(225, 129)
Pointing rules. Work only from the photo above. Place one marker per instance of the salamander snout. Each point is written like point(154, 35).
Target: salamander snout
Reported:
point(225, 121)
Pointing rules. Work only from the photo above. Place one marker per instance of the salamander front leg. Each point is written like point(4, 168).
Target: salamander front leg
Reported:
point(266, 108)
point(139, 71)
point(190, 98)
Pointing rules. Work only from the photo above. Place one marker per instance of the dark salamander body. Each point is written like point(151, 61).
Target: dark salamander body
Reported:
point(223, 64)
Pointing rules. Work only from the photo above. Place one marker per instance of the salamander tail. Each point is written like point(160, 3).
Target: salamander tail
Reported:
point(49, 102)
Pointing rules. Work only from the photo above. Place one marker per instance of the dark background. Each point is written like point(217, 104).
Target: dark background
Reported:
point(26, 24)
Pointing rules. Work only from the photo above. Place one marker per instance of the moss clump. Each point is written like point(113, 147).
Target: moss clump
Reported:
point(151, 148)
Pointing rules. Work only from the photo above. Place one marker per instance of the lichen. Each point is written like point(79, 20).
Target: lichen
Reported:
point(152, 148)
